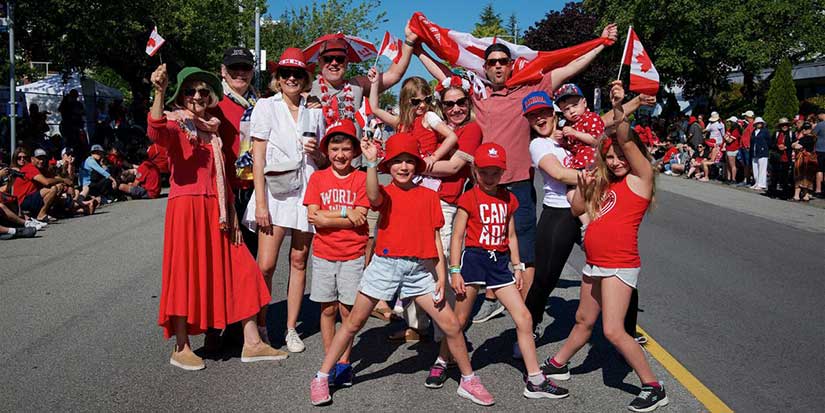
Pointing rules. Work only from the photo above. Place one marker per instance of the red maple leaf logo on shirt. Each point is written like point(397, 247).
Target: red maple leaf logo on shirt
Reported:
point(644, 60)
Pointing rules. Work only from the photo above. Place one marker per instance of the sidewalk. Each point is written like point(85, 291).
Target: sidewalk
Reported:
point(808, 216)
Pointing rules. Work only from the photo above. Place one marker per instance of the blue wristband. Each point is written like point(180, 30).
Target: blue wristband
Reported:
point(343, 212)
point(370, 164)
point(455, 270)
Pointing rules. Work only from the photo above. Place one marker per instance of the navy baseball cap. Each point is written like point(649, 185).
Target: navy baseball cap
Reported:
point(535, 101)
point(566, 90)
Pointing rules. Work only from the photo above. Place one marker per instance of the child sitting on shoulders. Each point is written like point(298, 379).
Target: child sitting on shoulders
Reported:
point(336, 200)
point(408, 258)
point(418, 116)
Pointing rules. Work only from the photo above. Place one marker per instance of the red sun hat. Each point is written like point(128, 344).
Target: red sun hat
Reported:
point(398, 144)
point(490, 154)
point(342, 127)
point(291, 57)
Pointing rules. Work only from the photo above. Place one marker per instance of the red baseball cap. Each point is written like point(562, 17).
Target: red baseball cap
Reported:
point(398, 144)
point(490, 154)
point(342, 127)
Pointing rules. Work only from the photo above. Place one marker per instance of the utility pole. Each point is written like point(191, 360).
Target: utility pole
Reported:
point(257, 48)
point(12, 83)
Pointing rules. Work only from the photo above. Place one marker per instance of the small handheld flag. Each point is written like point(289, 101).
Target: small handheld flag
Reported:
point(154, 43)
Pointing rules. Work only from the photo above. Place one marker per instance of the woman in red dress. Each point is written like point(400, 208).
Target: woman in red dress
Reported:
point(209, 279)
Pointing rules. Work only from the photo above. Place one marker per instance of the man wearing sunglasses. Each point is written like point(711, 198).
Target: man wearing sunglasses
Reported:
point(332, 82)
point(235, 113)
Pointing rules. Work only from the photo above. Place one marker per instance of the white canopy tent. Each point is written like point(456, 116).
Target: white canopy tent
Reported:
point(47, 94)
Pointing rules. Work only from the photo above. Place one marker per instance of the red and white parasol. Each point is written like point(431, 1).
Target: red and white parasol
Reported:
point(359, 49)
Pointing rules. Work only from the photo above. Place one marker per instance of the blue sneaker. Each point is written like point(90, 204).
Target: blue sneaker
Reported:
point(343, 375)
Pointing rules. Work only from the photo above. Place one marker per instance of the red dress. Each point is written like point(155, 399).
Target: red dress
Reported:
point(428, 139)
point(206, 278)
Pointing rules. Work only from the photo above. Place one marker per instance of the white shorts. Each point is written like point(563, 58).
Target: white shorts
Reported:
point(629, 276)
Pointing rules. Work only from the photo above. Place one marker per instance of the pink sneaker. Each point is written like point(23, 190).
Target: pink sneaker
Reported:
point(473, 389)
point(319, 391)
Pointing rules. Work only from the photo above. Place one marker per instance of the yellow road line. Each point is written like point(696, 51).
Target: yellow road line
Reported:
point(712, 402)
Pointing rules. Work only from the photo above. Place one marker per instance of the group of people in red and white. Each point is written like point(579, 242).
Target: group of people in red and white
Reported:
point(40, 187)
point(785, 160)
point(457, 215)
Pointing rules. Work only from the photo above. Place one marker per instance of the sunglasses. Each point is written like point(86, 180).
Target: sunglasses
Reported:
point(415, 101)
point(24, 157)
point(449, 104)
point(287, 72)
point(337, 59)
point(202, 92)
point(504, 61)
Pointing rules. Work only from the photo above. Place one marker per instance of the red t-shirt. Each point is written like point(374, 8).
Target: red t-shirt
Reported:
point(427, 139)
point(612, 239)
point(149, 178)
point(408, 222)
point(26, 185)
point(745, 140)
point(734, 144)
point(331, 193)
point(488, 218)
point(469, 139)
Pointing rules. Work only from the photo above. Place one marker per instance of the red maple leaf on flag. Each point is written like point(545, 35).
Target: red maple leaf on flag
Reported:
point(151, 43)
point(393, 46)
point(644, 61)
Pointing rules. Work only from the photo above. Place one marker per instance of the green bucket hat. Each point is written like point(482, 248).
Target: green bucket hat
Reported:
point(195, 73)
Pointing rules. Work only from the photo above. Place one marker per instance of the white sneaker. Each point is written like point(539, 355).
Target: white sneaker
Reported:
point(293, 341)
point(33, 223)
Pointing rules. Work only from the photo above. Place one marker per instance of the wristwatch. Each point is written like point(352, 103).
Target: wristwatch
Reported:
point(520, 267)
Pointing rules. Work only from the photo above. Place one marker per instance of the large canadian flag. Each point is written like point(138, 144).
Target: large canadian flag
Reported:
point(643, 76)
point(154, 43)
point(391, 47)
point(467, 51)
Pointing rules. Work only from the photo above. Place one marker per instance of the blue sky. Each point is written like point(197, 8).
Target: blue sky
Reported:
point(458, 15)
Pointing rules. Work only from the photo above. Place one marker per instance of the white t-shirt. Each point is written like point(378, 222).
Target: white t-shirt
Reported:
point(555, 192)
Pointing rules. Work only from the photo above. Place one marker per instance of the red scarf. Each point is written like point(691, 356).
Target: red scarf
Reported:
point(329, 103)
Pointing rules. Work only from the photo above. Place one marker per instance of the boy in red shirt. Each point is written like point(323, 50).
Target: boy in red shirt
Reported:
point(408, 258)
point(336, 200)
point(484, 225)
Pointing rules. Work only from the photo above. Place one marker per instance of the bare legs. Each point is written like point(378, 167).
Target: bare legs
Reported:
point(268, 247)
point(611, 297)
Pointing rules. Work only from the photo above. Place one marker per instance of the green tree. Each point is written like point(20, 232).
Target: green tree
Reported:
point(387, 99)
point(512, 28)
point(781, 100)
point(489, 23)
point(696, 43)
point(300, 27)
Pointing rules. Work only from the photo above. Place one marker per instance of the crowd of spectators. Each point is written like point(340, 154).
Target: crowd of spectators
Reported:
point(49, 178)
point(784, 161)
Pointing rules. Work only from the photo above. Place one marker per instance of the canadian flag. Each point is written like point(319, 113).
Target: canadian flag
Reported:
point(391, 47)
point(363, 114)
point(465, 50)
point(154, 43)
point(643, 76)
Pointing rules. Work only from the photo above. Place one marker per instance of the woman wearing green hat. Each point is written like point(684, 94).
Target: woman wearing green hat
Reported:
point(209, 279)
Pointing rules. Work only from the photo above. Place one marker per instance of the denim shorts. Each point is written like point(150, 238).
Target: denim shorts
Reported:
point(386, 275)
point(335, 280)
point(525, 219)
point(488, 268)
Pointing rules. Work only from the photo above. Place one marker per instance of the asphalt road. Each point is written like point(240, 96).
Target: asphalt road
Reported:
point(732, 295)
